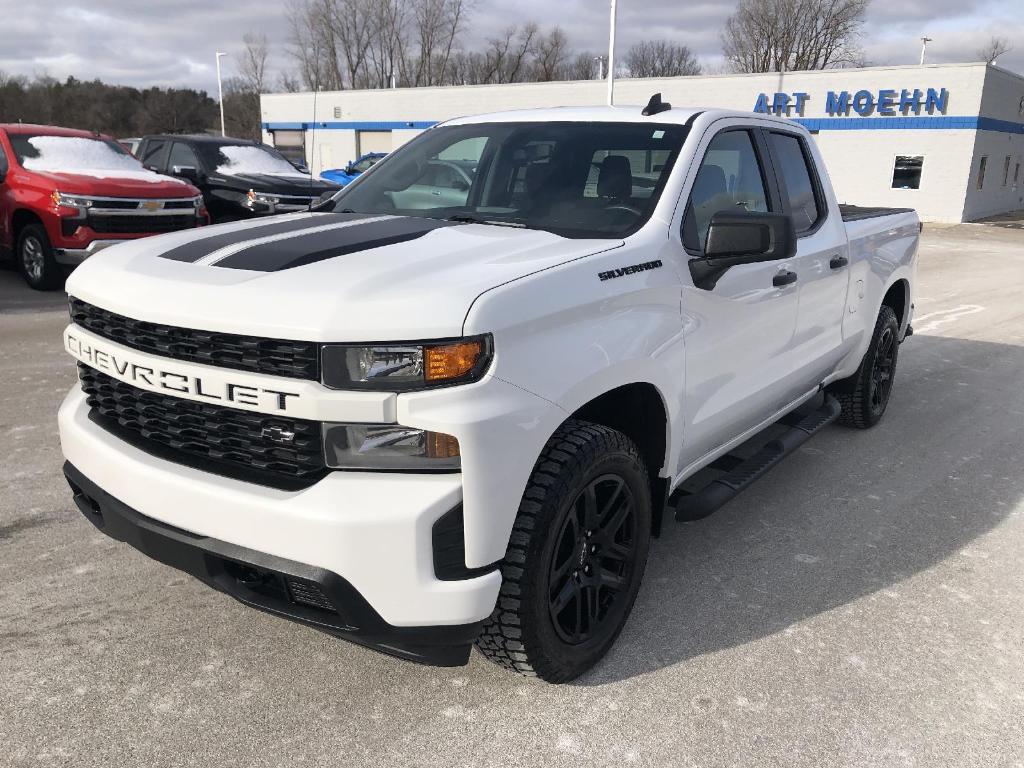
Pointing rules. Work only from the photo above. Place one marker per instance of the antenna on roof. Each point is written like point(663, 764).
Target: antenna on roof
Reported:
point(656, 105)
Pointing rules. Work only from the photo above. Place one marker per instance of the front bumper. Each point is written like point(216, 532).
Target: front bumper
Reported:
point(74, 256)
point(285, 588)
point(373, 531)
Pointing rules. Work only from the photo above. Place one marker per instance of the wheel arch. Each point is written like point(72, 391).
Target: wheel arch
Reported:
point(897, 298)
point(637, 410)
point(20, 219)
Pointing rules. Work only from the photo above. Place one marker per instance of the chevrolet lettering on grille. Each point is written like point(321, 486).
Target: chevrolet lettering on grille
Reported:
point(157, 377)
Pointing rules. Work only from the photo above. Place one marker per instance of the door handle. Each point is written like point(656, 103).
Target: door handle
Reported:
point(784, 278)
point(838, 262)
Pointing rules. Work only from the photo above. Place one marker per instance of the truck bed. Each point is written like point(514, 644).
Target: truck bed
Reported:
point(859, 212)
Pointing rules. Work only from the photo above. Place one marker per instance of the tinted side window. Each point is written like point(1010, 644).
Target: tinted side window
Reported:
point(154, 154)
point(796, 175)
point(182, 155)
point(730, 178)
point(3, 160)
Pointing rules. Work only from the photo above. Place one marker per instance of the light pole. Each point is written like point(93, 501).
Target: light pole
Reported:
point(924, 45)
point(600, 67)
point(611, 58)
point(220, 94)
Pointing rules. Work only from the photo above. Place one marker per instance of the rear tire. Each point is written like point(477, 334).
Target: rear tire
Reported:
point(865, 395)
point(35, 259)
point(575, 558)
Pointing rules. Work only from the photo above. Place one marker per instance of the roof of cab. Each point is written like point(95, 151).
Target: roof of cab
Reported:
point(618, 114)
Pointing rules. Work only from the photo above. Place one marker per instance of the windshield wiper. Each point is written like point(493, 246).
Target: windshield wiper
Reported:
point(467, 219)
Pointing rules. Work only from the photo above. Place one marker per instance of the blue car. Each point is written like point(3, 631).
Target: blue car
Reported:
point(350, 172)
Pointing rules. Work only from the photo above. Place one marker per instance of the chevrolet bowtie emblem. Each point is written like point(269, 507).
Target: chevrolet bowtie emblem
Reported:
point(152, 205)
point(278, 434)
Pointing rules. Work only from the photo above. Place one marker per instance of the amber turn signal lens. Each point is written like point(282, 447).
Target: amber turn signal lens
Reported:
point(451, 361)
point(441, 446)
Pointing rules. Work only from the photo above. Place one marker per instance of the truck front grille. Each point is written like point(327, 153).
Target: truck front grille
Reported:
point(295, 359)
point(119, 224)
point(226, 441)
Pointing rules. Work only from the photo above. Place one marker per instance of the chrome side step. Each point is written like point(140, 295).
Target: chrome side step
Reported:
point(740, 472)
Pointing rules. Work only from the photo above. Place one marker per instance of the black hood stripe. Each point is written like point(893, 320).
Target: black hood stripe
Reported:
point(202, 247)
point(310, 248)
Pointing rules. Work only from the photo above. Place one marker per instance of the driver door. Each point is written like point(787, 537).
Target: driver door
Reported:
point(739, 332)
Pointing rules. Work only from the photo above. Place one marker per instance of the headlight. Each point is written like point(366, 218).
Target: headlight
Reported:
point(62, 200)
point(404, 367)
point(389, 447)
point(260, 197)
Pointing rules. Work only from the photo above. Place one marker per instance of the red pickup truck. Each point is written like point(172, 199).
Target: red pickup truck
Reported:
point(66, 194)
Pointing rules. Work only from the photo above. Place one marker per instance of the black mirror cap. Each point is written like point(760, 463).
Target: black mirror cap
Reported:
point(750, 236)
point(189, 172)
point(742, 238)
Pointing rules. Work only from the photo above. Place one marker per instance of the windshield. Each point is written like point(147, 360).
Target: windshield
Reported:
point(239, 159)
point(573, 179)
point(364, 164)
point(71, 154)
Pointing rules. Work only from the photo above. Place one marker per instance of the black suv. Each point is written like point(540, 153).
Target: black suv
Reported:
point(239, 179)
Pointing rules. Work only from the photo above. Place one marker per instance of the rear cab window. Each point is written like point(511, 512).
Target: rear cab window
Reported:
point(801, 190)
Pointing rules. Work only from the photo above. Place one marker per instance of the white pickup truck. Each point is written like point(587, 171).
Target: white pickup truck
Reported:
point(463, 420)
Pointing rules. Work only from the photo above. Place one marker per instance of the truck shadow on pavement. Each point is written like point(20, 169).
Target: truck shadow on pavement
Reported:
point(852, 514)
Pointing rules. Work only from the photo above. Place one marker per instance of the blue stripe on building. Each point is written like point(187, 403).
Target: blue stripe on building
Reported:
point(936, 122)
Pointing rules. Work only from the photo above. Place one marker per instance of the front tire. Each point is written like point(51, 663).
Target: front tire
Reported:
point(35, 259)
point(576, 556)
point(865, 395)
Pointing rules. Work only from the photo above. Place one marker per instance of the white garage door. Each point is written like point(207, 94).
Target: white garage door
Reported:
point(374, 141)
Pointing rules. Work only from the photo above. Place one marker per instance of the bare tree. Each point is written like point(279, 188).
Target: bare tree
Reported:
point(659, 58)
point(288, 82)
point(438, 23)
point(775, 35)
point(252, 63)
point(311, 44)
point(995, 48)
point(506, 57)
point(551, 56)
point(583, 66)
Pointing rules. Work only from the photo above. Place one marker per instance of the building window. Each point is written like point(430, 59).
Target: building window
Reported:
point(291, 144)
point(1006, 171)
point(981, 172)
point(906, 171)
point(1016, 173)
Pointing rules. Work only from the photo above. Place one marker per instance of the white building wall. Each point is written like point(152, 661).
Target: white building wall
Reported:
point(1003, 101)
point(860, 161)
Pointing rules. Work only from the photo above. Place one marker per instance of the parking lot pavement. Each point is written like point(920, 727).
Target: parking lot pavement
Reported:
point(861, 605)
point(16, 296)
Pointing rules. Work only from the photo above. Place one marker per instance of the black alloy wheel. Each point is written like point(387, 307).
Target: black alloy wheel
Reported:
point(592, 561)
point(882, 371)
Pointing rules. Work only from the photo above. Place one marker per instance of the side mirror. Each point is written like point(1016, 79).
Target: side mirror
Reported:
point(189, 172)
point(3, 175)
point(742, 238)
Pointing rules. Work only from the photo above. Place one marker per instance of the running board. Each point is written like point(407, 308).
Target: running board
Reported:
point(741, 473)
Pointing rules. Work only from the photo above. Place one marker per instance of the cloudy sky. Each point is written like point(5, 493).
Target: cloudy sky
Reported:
point(173, 43)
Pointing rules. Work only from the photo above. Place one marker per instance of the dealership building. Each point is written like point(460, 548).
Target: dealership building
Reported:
point(945, 139)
